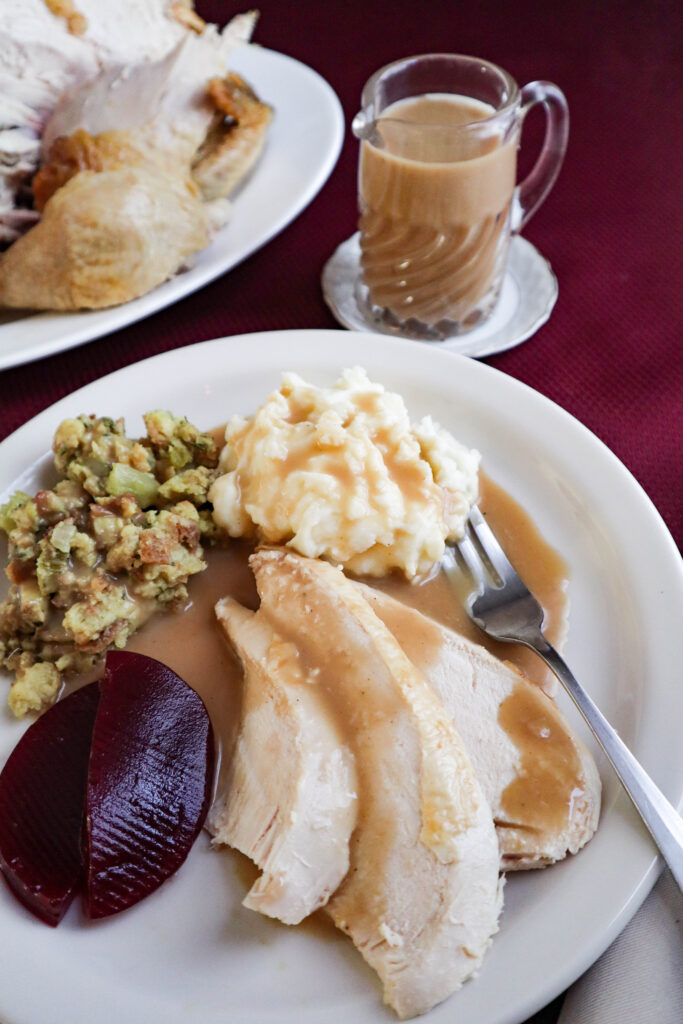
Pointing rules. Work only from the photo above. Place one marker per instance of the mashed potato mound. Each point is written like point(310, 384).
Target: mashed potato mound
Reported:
point(341, 473)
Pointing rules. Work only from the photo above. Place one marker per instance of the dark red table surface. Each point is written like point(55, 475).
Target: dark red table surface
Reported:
point(612, 352)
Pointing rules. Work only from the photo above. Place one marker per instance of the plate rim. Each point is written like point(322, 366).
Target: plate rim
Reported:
point(183, 285)
point(648, 871)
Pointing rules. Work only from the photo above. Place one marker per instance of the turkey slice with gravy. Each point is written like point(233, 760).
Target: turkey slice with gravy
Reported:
point(422, 897)
point(291, 800)
point(539, 778)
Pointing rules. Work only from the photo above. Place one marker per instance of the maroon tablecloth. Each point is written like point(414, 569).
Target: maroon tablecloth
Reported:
point(612, 352)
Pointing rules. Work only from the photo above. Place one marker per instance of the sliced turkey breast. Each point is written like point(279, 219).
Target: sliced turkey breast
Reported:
point(422, 897)
point(291, 796)
point(163, 103)
point(539, 778)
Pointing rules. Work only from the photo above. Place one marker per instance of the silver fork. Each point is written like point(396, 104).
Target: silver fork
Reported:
point(505, 609)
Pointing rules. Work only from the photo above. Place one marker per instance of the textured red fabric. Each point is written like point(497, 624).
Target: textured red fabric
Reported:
point(612, 352)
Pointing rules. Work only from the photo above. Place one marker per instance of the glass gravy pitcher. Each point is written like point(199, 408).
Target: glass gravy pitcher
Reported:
point(438, 197)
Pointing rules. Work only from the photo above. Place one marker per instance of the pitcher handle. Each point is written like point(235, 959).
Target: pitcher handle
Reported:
point(531, 192)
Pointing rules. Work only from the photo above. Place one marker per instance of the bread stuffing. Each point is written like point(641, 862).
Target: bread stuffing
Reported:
point(114, 541)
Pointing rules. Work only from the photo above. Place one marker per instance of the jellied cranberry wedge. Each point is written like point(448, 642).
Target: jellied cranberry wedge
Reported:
point(149, 781)
point(42, 796)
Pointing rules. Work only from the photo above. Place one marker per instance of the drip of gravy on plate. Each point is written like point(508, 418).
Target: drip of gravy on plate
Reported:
point(545, 788)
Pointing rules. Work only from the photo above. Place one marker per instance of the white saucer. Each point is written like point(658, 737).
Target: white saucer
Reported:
point(526, 300)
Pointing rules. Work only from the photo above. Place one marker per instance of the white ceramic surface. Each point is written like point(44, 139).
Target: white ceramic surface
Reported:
point(526, 300)
point(302, 148)
point(190, 954)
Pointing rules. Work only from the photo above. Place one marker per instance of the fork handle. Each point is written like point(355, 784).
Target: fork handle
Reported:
point(662, 819)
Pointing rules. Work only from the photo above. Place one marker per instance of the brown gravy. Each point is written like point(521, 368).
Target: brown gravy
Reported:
point(193, 645)
point(541, 795)
point(309, 450)
point(435, 203)
point(544, 571)
point(550, 769)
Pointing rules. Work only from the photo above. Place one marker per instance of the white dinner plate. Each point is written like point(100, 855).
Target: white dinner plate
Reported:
point(302, 147)
point(190, 954)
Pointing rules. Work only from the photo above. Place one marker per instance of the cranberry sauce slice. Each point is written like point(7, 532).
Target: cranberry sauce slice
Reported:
point(42, 797)
point(149, 781)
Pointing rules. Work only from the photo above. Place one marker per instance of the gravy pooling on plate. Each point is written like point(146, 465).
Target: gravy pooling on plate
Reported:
point(541, 567)
point(193, 645)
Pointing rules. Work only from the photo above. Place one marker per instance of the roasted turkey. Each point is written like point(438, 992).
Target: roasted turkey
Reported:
point(159, 136)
